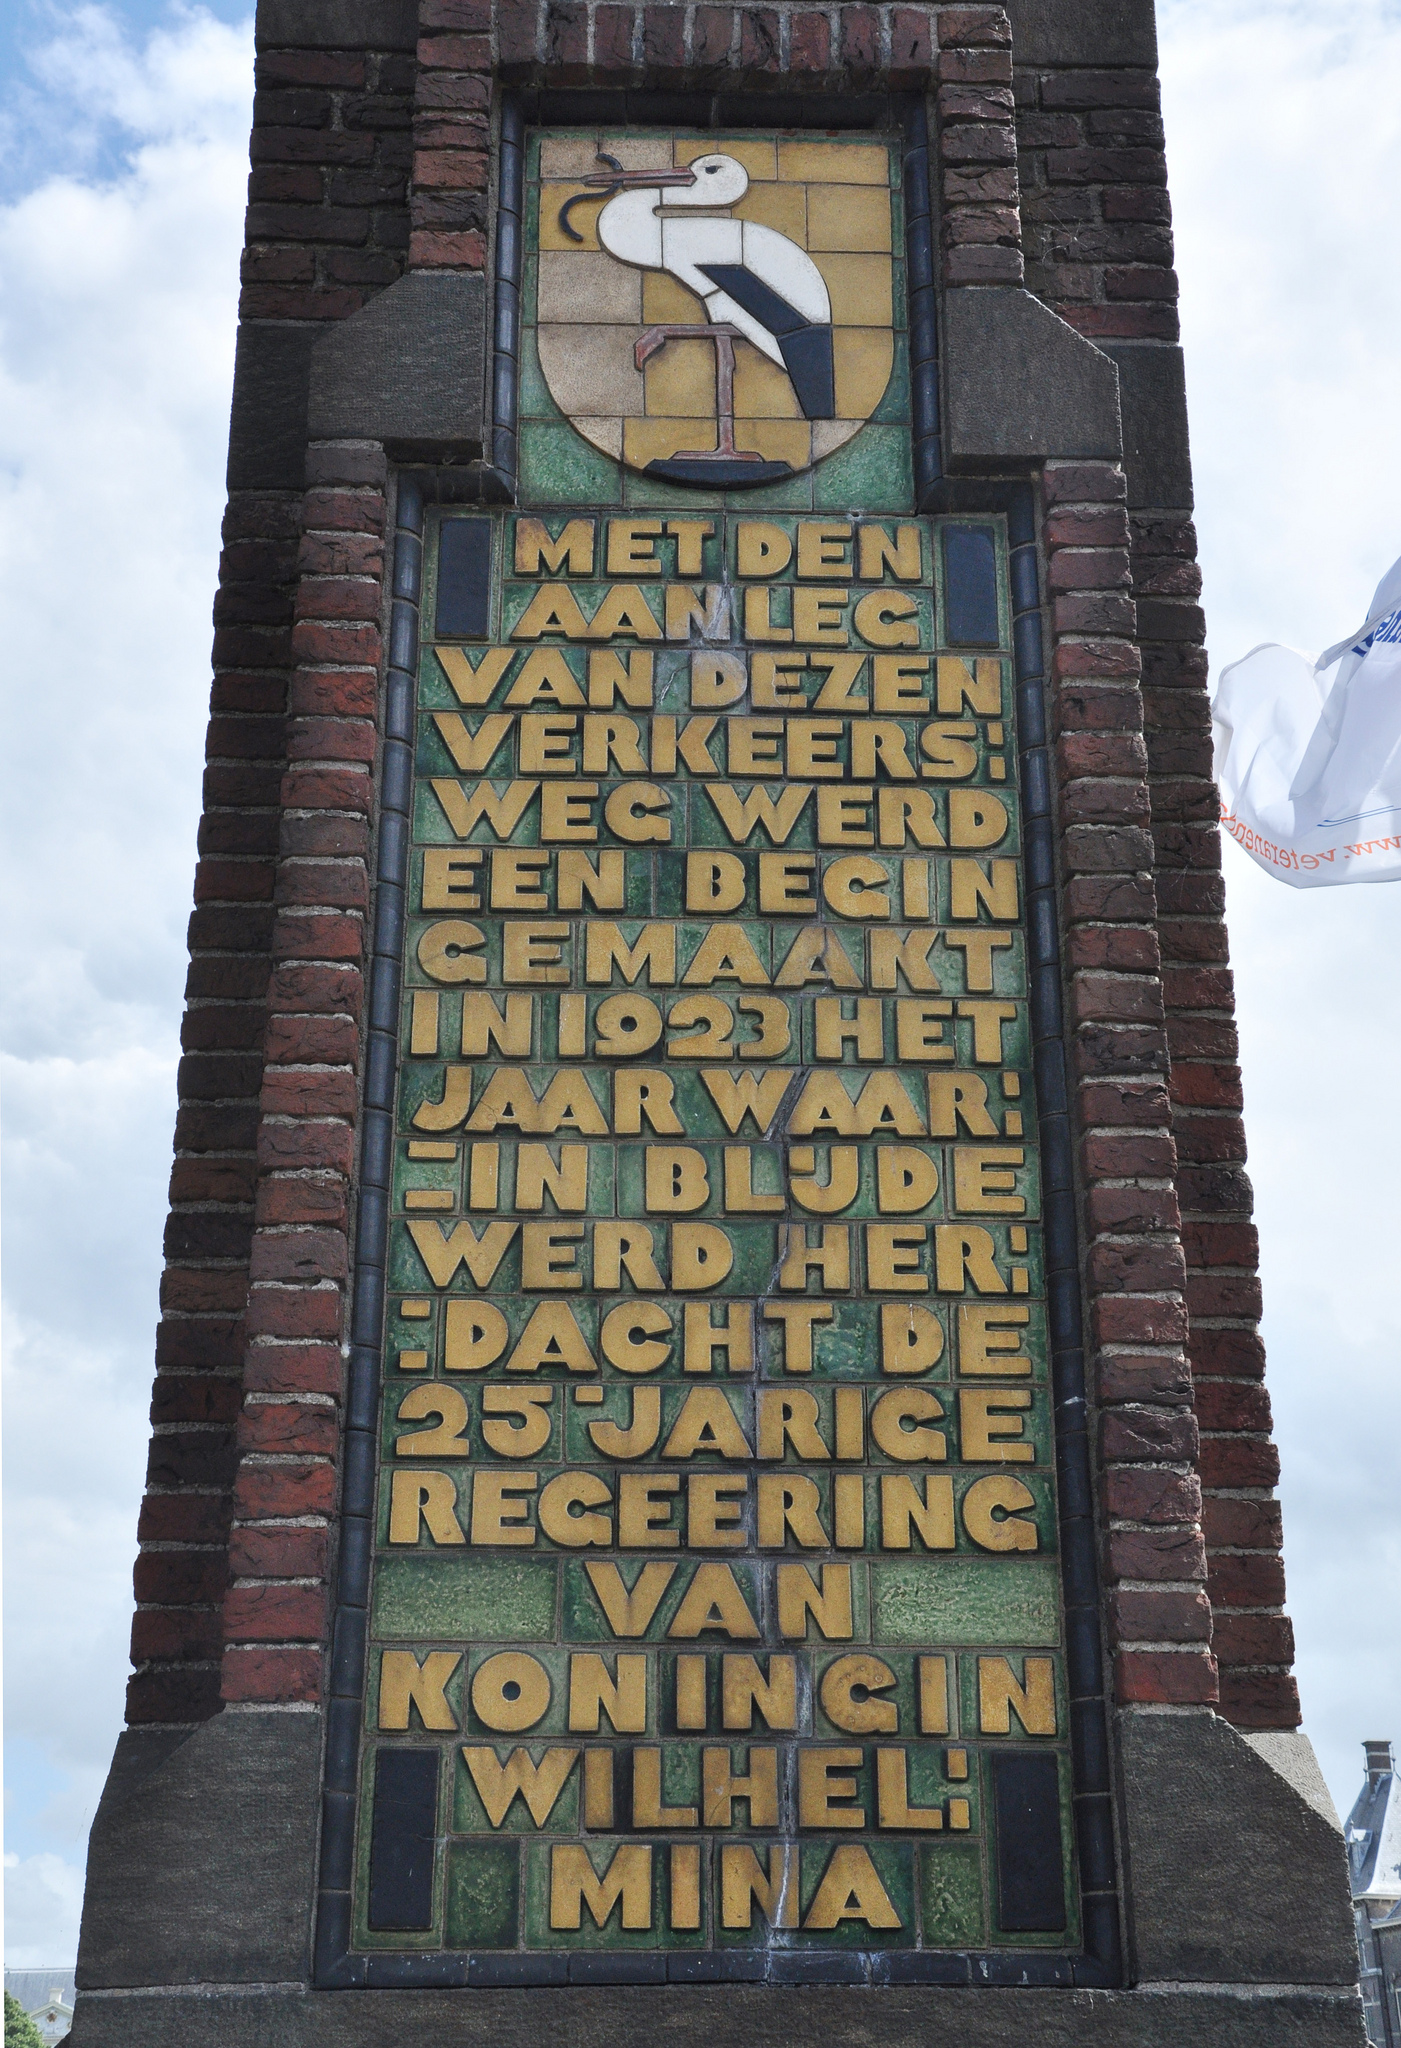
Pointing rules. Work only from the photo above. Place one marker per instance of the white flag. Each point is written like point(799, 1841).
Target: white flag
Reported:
point(1308, 754)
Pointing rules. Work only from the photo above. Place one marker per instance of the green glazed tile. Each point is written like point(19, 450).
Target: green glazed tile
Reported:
point(1009, 1599)
point(466, 1597)
point(951, 1894)
point(483, 1894)
point(558, 467)
point(872, 473)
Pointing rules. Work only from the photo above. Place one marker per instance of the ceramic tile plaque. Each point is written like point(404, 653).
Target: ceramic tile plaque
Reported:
point(715, 1609)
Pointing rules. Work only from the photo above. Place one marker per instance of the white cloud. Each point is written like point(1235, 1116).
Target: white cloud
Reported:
point(1284, 148)
point(43, 1899)
point(119, 280)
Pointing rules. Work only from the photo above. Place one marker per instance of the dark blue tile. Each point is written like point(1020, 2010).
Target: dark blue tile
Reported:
point(403, 1832)
point(622, 1968)
point(487, 1972)
point(463, 610)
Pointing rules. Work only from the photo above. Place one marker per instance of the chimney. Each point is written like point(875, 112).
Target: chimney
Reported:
point(1379, 1761)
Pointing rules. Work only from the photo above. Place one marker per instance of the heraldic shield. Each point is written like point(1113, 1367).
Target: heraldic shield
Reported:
point(715, 311)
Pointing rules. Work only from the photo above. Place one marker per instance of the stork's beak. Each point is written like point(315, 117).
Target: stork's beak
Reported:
point(619, 178)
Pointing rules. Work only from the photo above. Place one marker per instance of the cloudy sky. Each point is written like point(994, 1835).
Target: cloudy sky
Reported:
point(122, 158)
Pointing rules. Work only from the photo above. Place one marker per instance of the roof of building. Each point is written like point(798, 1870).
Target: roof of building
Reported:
point(35, 1988)
point(1373, 1831)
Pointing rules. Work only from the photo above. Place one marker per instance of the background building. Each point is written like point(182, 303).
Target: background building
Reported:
point(48, 1997)
point(1374, 1862)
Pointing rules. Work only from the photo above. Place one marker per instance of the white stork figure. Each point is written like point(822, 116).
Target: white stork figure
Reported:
point(747, 276)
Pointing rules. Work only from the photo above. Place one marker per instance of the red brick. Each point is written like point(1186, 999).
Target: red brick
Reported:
point(1131, 1210)
point(351, 511)
point(1117, 948)
point(1251, 1579)
point(306, 1039)
point(449, 170)
point(1125, 897)
point(810, 40)
point(455, 52)
point(315, 987)
point(171, 1578)
point(1096, 657)
point(976, 25)
point(860, 31)
point(271, 1674)
point(313, 937)
point(299, 1256)
point(1148, 1435)
point(197, 1293)
point(330, 833)
point(294, 1312)
point(1111, 1157)
point(759, 49)
point(289, 1429)
point(1260, 1699)
point(293, 1369)
point(340, 885)
point(298, 1200)
point(1094, 612)
point(612, 41)
point(1088, 569)
point(283, 1492)
point(1142, 1493)
point(1225, 1294)
point(275, 1614)
point(1167, 1617)
point(983, 266)
point(183, 1518)
point(1165, 1678)
point(164, 1695)
point(1253, 1639)
point(974, 67)
point(1138, 1319)
point(195, 1397)
point(267, 1552)
point(211, 1180)
point(1227, 1354)
point(1100, 801)
point(664, 38)
point(309, 1091)
point(1238, 1461)
point(172, 1633)
point(1242, 1524)
point(713, 34)
point(295, 1148)
point(312, 640)
point(1172, 1554)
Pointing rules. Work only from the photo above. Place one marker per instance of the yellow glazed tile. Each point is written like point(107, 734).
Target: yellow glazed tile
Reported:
point(591, 369)
point(862, 359)
point(762, 390)
point(589, 288)
point(778, 440)
point(836, 163)
point(777, 206)
point(583, 219)
point(859, 288)
point(665, 302)
point(647, 441)
point(853, 217)
point(758, 158)
point(680, 381)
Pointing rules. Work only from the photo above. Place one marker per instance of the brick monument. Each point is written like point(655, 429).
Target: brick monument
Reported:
point(710, 1464)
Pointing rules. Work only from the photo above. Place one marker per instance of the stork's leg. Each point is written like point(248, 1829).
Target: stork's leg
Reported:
point(807, 357)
